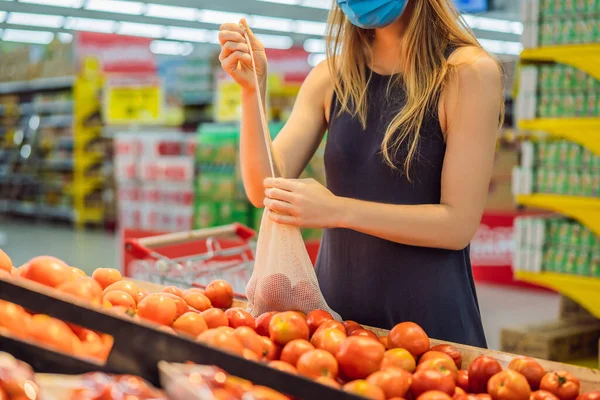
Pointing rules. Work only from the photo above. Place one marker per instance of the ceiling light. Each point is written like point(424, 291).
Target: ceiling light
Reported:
point(311, 27)
point(271, 23)
point(115, 6)
point(171, 12)
point(49, 21)
point(218, 17)
point(171, 48)
point(37, 37)
point(493, 24)
point(136, 29)
point(321, 4)
point(275, 41)
point(316, 58)
point(56, 3)
point(501, 46)
point(90, 24)
point(187, 34)
point(65, 37)
point(315, 45)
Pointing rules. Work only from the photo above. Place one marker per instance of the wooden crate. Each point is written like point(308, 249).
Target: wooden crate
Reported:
point(571, 310)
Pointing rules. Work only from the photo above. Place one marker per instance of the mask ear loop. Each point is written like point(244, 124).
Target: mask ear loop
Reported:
point(263, 116)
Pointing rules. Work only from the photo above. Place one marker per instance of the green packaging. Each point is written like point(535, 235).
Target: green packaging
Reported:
point(205, 214)
point(574, 157)
point(587, 238)
point(540, 181)
point(574, 183)
point(551, 180)
point(570, 262)
point(591, 101)
point(555, 105)
point(560, 256)
point(595, 264)
point(575, 234)
point(233, 211)
point(587, 158)
point(568, 105)
point(564, 232)
point(582, 264)
point(563, 153)
point(545, 34)
point(548, 263)
point(545, 77)
point(580, 105)
point(544, 106)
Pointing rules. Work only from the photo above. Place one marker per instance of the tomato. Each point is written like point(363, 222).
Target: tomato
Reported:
point(383, 340)
point(400, 358)
point(142, 293)
point(462, 380)
point(173, 290)
point(240, 317)
point(54, 333)
point(93, 345)
point(5, 262)
point(265, 393)
point(287, 326)
point(359, 357)
point(544, 395)
point(351, 326)
point(14, 318)
point(445, 365)
point(529, 368)
point(561, 384)
point(197, 300)
point(283, 366)
point(190, 323)
point(158, 308)
point(180, 304)
point(120, 298)
point(425, 380)
point(315, 318)
point(480, 372)
point(395, 382)
point(365, 333)
point(586, 396)
point(214, 318)
point(323, 380)
point(78, 273)
point(49, 271)
point(293, 350)
point(262, 323)
point(365, 389)
point(107, 276)
point(222, 339)
point(220, 294)
point(451, 351)
point(434, 395)
point(316, 363)
point(127, 287)
point(329, 339)
point(509, 385)
point(459, 392)
point(83, 288)
point(331, 324)
point(409, 336)
point(270, 350)
point(250, 340)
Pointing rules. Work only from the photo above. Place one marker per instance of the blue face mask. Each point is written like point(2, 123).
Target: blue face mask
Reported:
point(371, 14)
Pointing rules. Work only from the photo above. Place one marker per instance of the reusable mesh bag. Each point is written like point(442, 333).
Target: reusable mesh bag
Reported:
point(283, 278)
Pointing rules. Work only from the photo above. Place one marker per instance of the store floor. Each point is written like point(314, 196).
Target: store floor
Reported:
point(500, 306)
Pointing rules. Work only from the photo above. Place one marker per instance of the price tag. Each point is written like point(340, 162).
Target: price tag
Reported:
point(134, 100)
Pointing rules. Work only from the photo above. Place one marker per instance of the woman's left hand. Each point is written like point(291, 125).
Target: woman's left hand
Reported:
point(304, 203)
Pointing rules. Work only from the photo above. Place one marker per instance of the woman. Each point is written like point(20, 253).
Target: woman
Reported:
point(412, 105)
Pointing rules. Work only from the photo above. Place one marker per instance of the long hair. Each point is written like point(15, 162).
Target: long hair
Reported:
point(435, 25)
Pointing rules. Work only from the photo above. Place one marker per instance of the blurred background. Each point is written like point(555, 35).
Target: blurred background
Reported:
point(117, 122)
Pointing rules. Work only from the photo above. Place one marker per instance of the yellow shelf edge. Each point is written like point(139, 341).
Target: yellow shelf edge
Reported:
point(586, 210)
point(583, 131)
point(585, 57)
point(585, 290)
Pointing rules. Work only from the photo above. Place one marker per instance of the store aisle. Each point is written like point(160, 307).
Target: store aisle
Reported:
point(500, 306)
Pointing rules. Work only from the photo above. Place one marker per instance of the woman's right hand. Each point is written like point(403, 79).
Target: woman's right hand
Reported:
point(235, 55)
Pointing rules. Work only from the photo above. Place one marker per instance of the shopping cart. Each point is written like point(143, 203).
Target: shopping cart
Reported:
point(194, 258)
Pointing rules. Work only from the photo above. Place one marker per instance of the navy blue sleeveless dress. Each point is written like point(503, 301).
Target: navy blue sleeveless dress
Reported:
point(374, 281)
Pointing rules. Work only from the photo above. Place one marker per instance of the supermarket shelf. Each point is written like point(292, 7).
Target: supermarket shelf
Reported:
point(583, 131)
point(585, 57)
point(91, 215)
point(91, 184)
point(37, 85)
point(584, 290)
point(586, 210)
point(51, 107)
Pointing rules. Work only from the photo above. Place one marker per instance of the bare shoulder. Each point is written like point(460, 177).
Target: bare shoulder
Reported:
point(320, 85)
point(471, 65)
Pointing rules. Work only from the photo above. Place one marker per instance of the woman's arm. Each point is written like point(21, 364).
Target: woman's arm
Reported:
point(472, 102)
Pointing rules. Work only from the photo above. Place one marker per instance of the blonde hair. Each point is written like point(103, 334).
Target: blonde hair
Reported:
point(434, 27)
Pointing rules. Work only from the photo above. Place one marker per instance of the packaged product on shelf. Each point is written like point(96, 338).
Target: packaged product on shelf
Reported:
point(582, 264)
point(595, 263)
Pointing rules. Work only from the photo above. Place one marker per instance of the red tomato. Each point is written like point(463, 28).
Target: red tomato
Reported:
point(270, 350)
point(384, 341)
point(287, 326)
point(329, 339)
point(158, 308)
point(544, 395)
point(445, 365)
point(49, 271)
point(190, 323)
point(262, 323)
point(120, 298)
point(451, 351)
point(222, 339)
point(365, 333)
point(586, 396)
point(215, 317)
point(425, 380)
point(364, 389)
point(239, 317)
point(351, 326)
point(315, 318)
point(181, 306)
point(106, 276)
point(220, 293)
point(359, 357)
point(409, 336)
point(293, 350)
point(83, 288)
point(394, 382)
point(265, 393)
point(283, 366)
point(197, 300)
point(323, 380)
point(127, 287)
point(509, 385)
point(434, 395)
point(400, 358)
point(458, 393)
point(529, 368)
point(173, 290)
point(462, 380)
point(14, 318)
point(250, 340)
point(561, 384)
point(480, 372)
point(331, 324)
point(5, 262)
point(316, 363)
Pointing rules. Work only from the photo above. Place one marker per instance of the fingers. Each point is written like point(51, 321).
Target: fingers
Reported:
point(280, 183)
point(231, 62)
point(231, 47)
point(256, 44)
point(230, 36)
point(278, 194)
point(278, 206)
point(231, 26)
point(283, 219)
